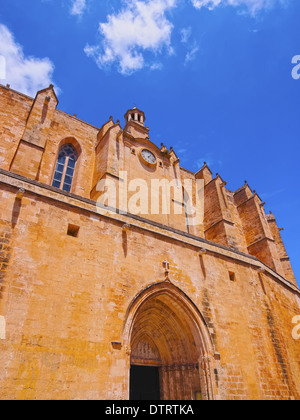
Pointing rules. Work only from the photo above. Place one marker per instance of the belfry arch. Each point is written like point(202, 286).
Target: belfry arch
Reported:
point(164, 331)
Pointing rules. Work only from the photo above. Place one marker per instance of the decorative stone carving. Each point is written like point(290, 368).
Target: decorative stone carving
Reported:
point(145, 351)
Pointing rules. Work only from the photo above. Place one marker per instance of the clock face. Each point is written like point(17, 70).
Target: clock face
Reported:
point(148, 156)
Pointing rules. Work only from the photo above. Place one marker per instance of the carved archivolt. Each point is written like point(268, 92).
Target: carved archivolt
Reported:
point(164, 328)
point(145, 351)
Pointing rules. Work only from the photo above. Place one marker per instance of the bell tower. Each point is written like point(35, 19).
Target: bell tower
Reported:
point(135, 123)
point(135, 115)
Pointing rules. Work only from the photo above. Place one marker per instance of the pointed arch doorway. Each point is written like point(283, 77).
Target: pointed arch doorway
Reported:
point(170, 347)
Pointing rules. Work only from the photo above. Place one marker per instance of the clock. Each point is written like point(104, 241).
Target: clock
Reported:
point(148, 156)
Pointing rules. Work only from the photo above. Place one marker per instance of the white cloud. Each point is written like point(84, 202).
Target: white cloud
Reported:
point(192, 45)
point(253, 6)
point(156, 66)
point(143, 27)
point(185, 34)
point(78, 7)
point(140, 27)
point(191, 54)
point(25, 74)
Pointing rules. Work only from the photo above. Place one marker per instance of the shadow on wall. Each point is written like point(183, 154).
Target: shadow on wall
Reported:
point(16, 211)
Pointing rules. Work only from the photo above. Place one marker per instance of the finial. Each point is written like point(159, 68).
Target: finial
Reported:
point(126, 227)
point(20, 193)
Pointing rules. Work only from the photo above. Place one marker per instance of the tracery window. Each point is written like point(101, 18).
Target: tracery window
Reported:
point(65, 167)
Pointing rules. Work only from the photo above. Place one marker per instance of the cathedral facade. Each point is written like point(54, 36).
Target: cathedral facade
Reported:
point(125, 276)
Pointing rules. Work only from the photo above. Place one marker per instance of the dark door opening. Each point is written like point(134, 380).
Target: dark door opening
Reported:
point(144, 383)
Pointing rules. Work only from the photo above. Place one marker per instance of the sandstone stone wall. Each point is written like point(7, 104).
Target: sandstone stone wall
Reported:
point(78, 284)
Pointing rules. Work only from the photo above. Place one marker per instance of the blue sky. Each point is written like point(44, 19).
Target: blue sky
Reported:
point(212, 76)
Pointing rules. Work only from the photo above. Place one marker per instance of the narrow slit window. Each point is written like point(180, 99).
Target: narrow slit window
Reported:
point(65, 167)
point(73, 231)
point(232, 276)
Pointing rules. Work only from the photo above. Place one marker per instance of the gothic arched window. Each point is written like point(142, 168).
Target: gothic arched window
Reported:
point(65, 167)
